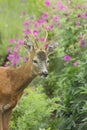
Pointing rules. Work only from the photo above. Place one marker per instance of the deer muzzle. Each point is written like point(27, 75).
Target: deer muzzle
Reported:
point(45, 73)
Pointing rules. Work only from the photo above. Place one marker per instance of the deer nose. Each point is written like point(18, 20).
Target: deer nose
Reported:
point(45, 73)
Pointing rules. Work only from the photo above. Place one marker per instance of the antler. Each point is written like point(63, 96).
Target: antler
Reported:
point(27, 38)
point(46, 36)
point(35, 41)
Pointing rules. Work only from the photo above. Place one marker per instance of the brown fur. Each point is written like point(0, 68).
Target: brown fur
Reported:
point(13, 81)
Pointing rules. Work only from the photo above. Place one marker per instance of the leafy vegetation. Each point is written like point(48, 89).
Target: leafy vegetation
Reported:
point(60, 101)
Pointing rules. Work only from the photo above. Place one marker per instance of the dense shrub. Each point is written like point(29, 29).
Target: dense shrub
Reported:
point(33, 111)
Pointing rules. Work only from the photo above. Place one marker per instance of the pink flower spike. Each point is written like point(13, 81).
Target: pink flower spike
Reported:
point(24, 13)
point(67, 58)
point(10, 57)
point(12, 40)
point(85, 15)
point(76, 63)
point(35, 32)
point(60, 6)
point(44, 16)
point(47, 3)
point(27, 31)
point(17, 35)
point(14, 63)
point(42, 39)
point(25, 23)
point(21, 42)
point(25, 59)
point(9, 49)
point(84, 6)
point(55, 19)
point(59, 24)
point(79, 6)
point(47, 28)
point(80, 37)
point(77, 23)
point(50, 27)
point(45, 45)
point(41, 21)
point(82, 43)
point(5, 65)
point(54, 7)
point(36, 24)
point(79, 15)
point(16, 47)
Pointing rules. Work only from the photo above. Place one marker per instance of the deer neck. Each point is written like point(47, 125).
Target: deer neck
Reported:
point(23, 76)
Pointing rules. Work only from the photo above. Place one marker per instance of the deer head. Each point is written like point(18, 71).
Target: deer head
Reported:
point(39, 56)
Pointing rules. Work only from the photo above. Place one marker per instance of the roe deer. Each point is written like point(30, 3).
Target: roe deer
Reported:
point(13, 81)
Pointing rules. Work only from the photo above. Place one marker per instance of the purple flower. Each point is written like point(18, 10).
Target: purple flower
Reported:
point(82, 43)
point(78, 23)
point(54, 7)
point(79, 6)
point(60, 6)
point(40, 21)
point(76, 63)
point(67, 58)
point(25, 23)
point(14, 63)
point(9, 49)
point(25, 59)
point(79, 15)
point(35, 32)
point(16, 47)
point(27, 31)
point(21, 42)
point(59, 24)
point(14, 58)
point(49, 27)
point(44, 16)
point(45, 45)
point(10, 57)
point(36, 24)
point(80, 37)
point(55, 18)
point(85, 15)
point(5, 65)
point(42, 39)
point(24, 13)
point(84, 6)
point(47, 2)
point(12, 40)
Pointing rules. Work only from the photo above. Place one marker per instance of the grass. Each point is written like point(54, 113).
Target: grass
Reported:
point(11, 19)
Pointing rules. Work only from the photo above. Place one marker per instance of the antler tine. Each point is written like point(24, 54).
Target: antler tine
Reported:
point(46, 36)
point(27, 37)
point(45, 39)
point(35, 41)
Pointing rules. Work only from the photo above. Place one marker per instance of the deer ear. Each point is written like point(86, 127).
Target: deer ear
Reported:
point(51, 47)
point(28, 44)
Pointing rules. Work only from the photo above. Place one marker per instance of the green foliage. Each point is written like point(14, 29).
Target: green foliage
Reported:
point(33, 111)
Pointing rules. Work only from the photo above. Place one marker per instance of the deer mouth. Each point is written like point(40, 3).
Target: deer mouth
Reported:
point(44, 74)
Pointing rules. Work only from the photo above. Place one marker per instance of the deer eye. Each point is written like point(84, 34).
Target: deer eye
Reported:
point(35, 61)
